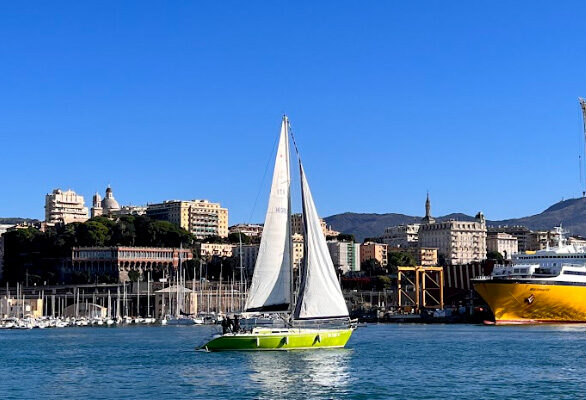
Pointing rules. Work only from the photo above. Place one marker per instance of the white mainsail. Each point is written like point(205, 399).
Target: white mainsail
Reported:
point(320, 295)
point(270, 289)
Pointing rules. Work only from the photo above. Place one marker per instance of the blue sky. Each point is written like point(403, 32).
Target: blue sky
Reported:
point(474, 101)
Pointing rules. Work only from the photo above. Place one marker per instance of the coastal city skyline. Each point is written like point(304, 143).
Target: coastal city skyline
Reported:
point(435, 108)
point(293, 200)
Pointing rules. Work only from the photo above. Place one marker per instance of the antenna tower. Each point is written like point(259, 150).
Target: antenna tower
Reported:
point(583, 107)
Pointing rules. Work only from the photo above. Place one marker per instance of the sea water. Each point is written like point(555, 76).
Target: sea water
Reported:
point(379, 362)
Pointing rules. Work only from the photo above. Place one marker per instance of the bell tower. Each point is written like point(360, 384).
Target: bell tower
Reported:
point(428, 219)
point(97, 205)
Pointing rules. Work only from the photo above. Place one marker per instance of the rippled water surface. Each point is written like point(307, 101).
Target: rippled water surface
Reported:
point(380, 361)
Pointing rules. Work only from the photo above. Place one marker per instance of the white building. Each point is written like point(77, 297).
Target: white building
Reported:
point(345, 255)
point(209, 250)
point(460, 242)
point(401, 235)
point(130, 210)
point(504, 243)
point(253, 231)
point(64, 207)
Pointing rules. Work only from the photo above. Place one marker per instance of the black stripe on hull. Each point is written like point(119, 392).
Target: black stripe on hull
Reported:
point(275, 307)
point(322, 318)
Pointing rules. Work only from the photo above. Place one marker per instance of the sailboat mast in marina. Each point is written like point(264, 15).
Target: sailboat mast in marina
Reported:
point(319, 318)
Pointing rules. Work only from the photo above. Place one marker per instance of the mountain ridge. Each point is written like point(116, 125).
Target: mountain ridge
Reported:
point(570, 213)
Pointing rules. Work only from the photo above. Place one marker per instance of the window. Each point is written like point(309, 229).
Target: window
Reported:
point(574, 273)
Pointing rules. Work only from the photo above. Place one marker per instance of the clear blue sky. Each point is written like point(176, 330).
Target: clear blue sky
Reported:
point(474, 101)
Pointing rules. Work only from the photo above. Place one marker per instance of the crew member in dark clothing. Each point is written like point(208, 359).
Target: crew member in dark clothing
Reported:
point(236, 324)
point(229, 324)
point(224, 326)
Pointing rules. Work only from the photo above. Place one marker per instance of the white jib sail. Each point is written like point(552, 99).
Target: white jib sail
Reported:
point(270, 289)
point(320, 295)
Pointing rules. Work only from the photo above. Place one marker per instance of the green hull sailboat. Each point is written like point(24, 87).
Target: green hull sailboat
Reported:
point(281, 339)
point(319, 318)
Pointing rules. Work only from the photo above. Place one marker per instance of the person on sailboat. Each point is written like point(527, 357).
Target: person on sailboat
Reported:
point(236, 328)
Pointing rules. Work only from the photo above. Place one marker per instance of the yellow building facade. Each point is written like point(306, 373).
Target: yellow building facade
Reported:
point(200, 217)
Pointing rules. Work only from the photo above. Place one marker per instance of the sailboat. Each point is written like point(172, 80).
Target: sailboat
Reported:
point(319, 317)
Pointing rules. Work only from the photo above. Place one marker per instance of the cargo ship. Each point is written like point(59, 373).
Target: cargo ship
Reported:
point(545, 286)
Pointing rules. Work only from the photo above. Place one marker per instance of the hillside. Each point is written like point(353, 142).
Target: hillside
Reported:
point(16, 220)
point(367, 225)
point(571, 213)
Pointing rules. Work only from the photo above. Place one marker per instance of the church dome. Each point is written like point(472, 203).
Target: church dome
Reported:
point(109, 203)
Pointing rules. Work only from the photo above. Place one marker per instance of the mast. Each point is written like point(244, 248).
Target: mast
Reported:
point(241, 272)
point(291, 252)
point(137, 297)
point(162, 300)
point(118, 316)
point(109, 305)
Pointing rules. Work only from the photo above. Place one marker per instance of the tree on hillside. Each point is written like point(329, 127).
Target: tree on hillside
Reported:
point(399, 259)
point(342, 237)
point(372, 267)
point(494, 255)
point(381, 282)
point(123, 232)
point(213, 239)
point(234, 238)
point(92, 233)
point(41, 253)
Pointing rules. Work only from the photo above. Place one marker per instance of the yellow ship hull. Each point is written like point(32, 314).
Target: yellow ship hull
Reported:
point(521, 302)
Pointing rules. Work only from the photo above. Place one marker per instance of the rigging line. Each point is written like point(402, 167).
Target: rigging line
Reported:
point(294, 142)
point(263, 178)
